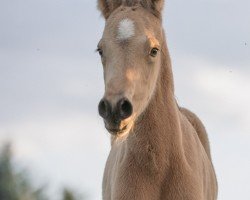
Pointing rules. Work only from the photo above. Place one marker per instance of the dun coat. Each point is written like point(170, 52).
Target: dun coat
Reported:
point(159, 151)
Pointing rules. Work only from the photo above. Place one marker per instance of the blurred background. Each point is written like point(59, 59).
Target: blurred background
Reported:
point(53, 144)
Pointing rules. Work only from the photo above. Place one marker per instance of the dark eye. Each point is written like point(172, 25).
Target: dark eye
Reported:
point(100, 51)
point(154, 52)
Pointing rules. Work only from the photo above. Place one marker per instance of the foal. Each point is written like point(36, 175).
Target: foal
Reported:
point(159, 150)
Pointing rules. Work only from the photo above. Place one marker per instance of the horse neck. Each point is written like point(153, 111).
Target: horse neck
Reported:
point(159, 124)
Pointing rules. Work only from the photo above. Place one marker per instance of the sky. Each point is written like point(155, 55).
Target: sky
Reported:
point(51, 82)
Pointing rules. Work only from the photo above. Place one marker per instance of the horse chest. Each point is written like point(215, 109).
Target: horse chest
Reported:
point(129, 173)
point(112, 179)
point(133, 173)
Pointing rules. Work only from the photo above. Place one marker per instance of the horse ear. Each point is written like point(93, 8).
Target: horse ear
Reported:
point(108, 6)
point(155, 6)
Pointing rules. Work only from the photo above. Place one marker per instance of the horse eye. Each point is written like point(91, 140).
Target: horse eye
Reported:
point(154, 52)
point(100, 51)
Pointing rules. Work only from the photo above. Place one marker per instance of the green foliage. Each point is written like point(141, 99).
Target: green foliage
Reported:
point(7, 178)
point(17, 186)
point(68, 195)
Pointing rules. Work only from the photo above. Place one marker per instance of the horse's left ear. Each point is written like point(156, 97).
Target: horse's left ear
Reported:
point(155, 6)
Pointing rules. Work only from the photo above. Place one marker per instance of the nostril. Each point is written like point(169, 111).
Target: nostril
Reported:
point(103, 108)
point(126, 108)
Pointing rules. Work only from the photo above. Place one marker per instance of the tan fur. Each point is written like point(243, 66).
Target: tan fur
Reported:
point(164, 155)
point(199, 127)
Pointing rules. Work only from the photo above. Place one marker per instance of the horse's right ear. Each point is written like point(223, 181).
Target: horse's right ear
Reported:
point(104, 8)
point(107, 6)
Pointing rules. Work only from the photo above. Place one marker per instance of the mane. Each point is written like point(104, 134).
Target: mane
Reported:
point(166, 75)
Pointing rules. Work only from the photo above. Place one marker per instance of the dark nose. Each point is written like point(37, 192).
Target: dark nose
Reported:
point(122, 110)
point(104, 109)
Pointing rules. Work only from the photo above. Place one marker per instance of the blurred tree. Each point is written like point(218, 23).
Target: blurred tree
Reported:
point(7, 182)
point(15, 186)
point(68, 195)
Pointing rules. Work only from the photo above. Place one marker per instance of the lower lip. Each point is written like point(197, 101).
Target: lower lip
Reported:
point(115, 132)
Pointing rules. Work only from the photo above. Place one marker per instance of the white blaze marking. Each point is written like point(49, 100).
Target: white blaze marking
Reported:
point(126, 29)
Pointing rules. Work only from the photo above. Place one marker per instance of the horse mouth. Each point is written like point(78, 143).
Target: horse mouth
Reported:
point(117, 131)
point(119, 128)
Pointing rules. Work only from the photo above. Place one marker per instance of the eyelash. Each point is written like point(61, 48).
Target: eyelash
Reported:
point(99, 50)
